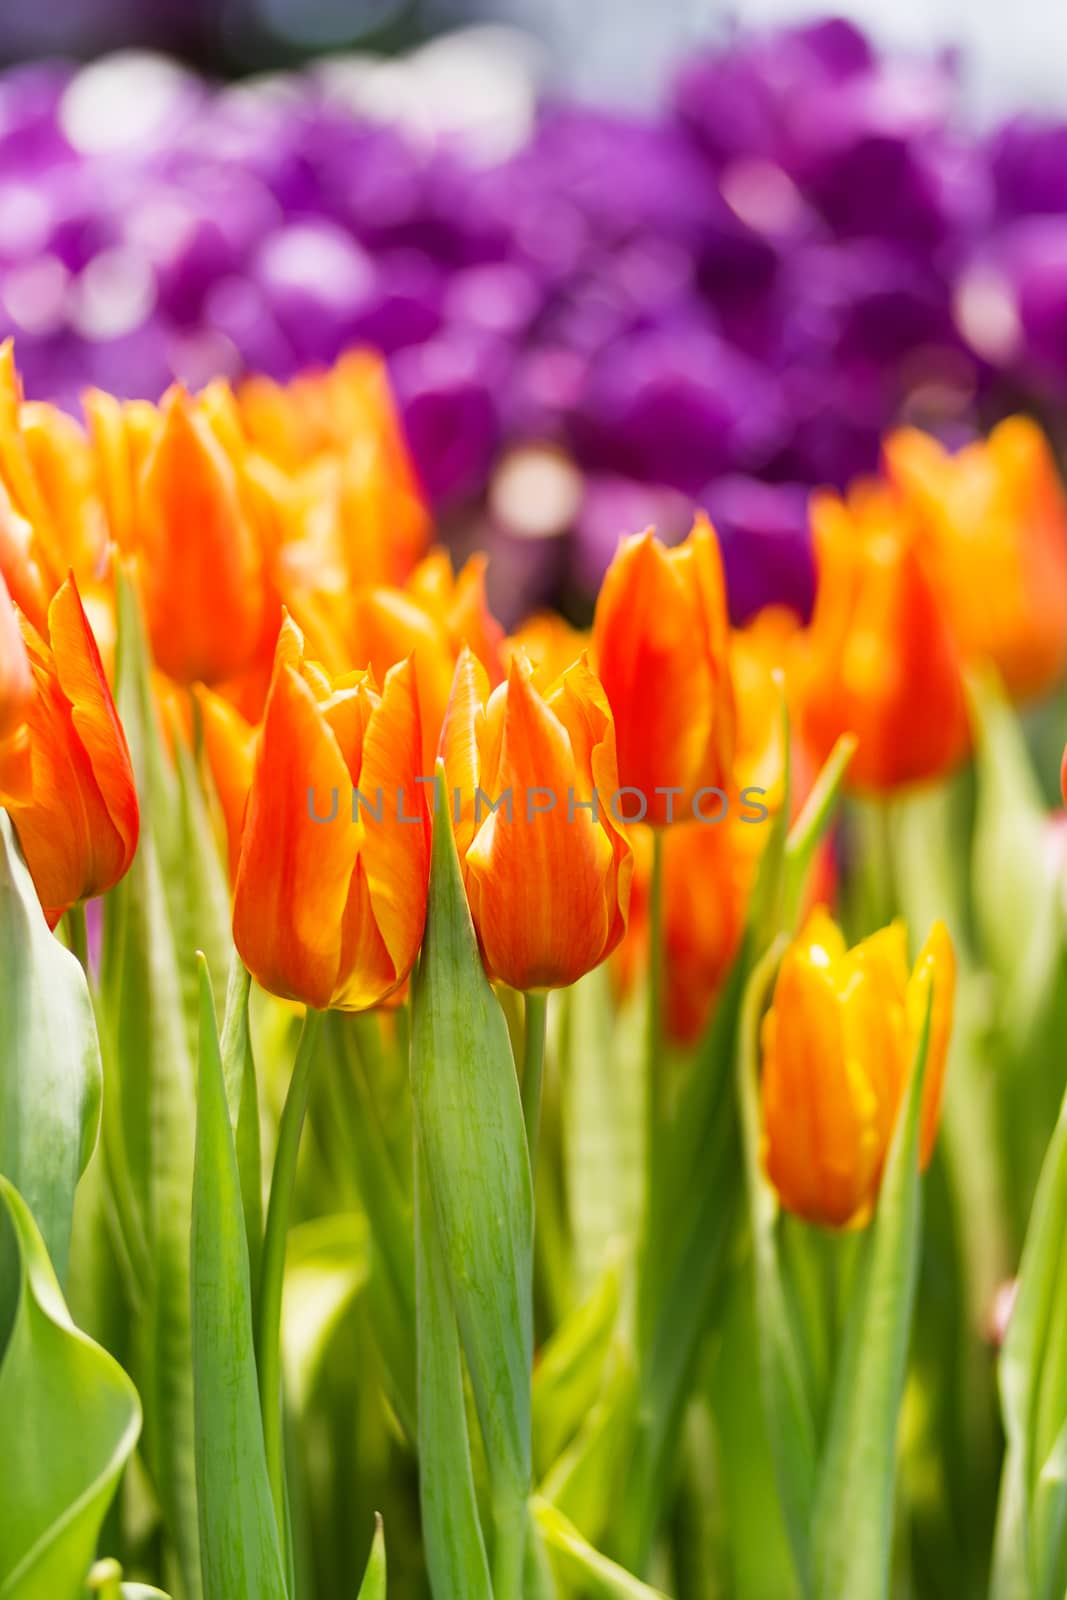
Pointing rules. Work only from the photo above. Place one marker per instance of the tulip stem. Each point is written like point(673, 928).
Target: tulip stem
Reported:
point(533, 1065)
point(654, 1033)
point(78, 935)
point(272, 1265)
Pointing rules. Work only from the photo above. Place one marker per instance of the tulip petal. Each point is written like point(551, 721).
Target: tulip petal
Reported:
point(396, 851)
point(294, 873)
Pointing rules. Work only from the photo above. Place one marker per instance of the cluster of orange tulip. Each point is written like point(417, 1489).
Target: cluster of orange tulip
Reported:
point(280, 552)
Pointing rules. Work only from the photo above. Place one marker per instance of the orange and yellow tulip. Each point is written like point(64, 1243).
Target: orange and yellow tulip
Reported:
point(330, 896)
point(550, 644)
point(51, 517)
point(337, 434)
point(430, 619)
point(838, 1045)
point(880, 657)
point(660, 639)
point(993, 522)
point(78, 820)
point(548, 871)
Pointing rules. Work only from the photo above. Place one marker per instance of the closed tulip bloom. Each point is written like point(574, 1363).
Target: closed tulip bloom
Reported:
point(173, 483)
point(330, 897)
point(994, 522)
point(880, 657)
point(548, 871)
point(660, 639)
point(838, 1046)
point(78, 823)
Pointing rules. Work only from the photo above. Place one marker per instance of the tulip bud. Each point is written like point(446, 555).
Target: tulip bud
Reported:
point(660, 637)
point(200, 565)
point(78, 821)
point(839, 1042)
point(880, 658)
point(532, 790)
point(330, 897)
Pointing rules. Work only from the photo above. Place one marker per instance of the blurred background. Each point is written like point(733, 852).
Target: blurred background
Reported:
point(620, 258)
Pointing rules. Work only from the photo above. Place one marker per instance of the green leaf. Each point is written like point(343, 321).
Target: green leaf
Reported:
point(358, 1119)
point(809, 829)
point(71, 1420)
point(373, 1585)
point(149, 1110)
point(471, 1139)
point(1013, 887)
point(852, 1530)
point(571, 1366)
point(455, 1547)
point(242, 1099)
point(49, 1058)
point(592, 1575)
point(585, 1481)
point(1033, 1392)
point(602, 1123)
point(197, 889)
point(239, 1547)
point(326, 1268)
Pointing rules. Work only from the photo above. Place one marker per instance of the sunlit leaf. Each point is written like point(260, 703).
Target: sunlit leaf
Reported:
point(239, 1546)
point(49, 1058)
point(473, 1159)
point(70, 1421)
point(373, 1585)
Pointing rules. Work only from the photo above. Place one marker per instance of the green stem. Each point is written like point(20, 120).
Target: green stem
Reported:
point(272, 1264)
point(533, 1065)
point(78, 935)
point(654, 1109)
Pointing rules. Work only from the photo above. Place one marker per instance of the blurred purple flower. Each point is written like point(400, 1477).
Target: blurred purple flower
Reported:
point(766, 546)
point(725, 302)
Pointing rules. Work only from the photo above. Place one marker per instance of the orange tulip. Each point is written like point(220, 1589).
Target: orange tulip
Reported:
point(550, 644)
point(51, 518)
point(660, 639)
point(177, 494)
point(838, 1046)
point(880, 658)
point(993, 521)
point(548, 871)
point(430, 619)
point(79, 821)
point(709, 868)
point(330, 897)
point(338, 431)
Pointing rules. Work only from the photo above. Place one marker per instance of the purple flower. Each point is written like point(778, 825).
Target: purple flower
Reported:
point(766, 544)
